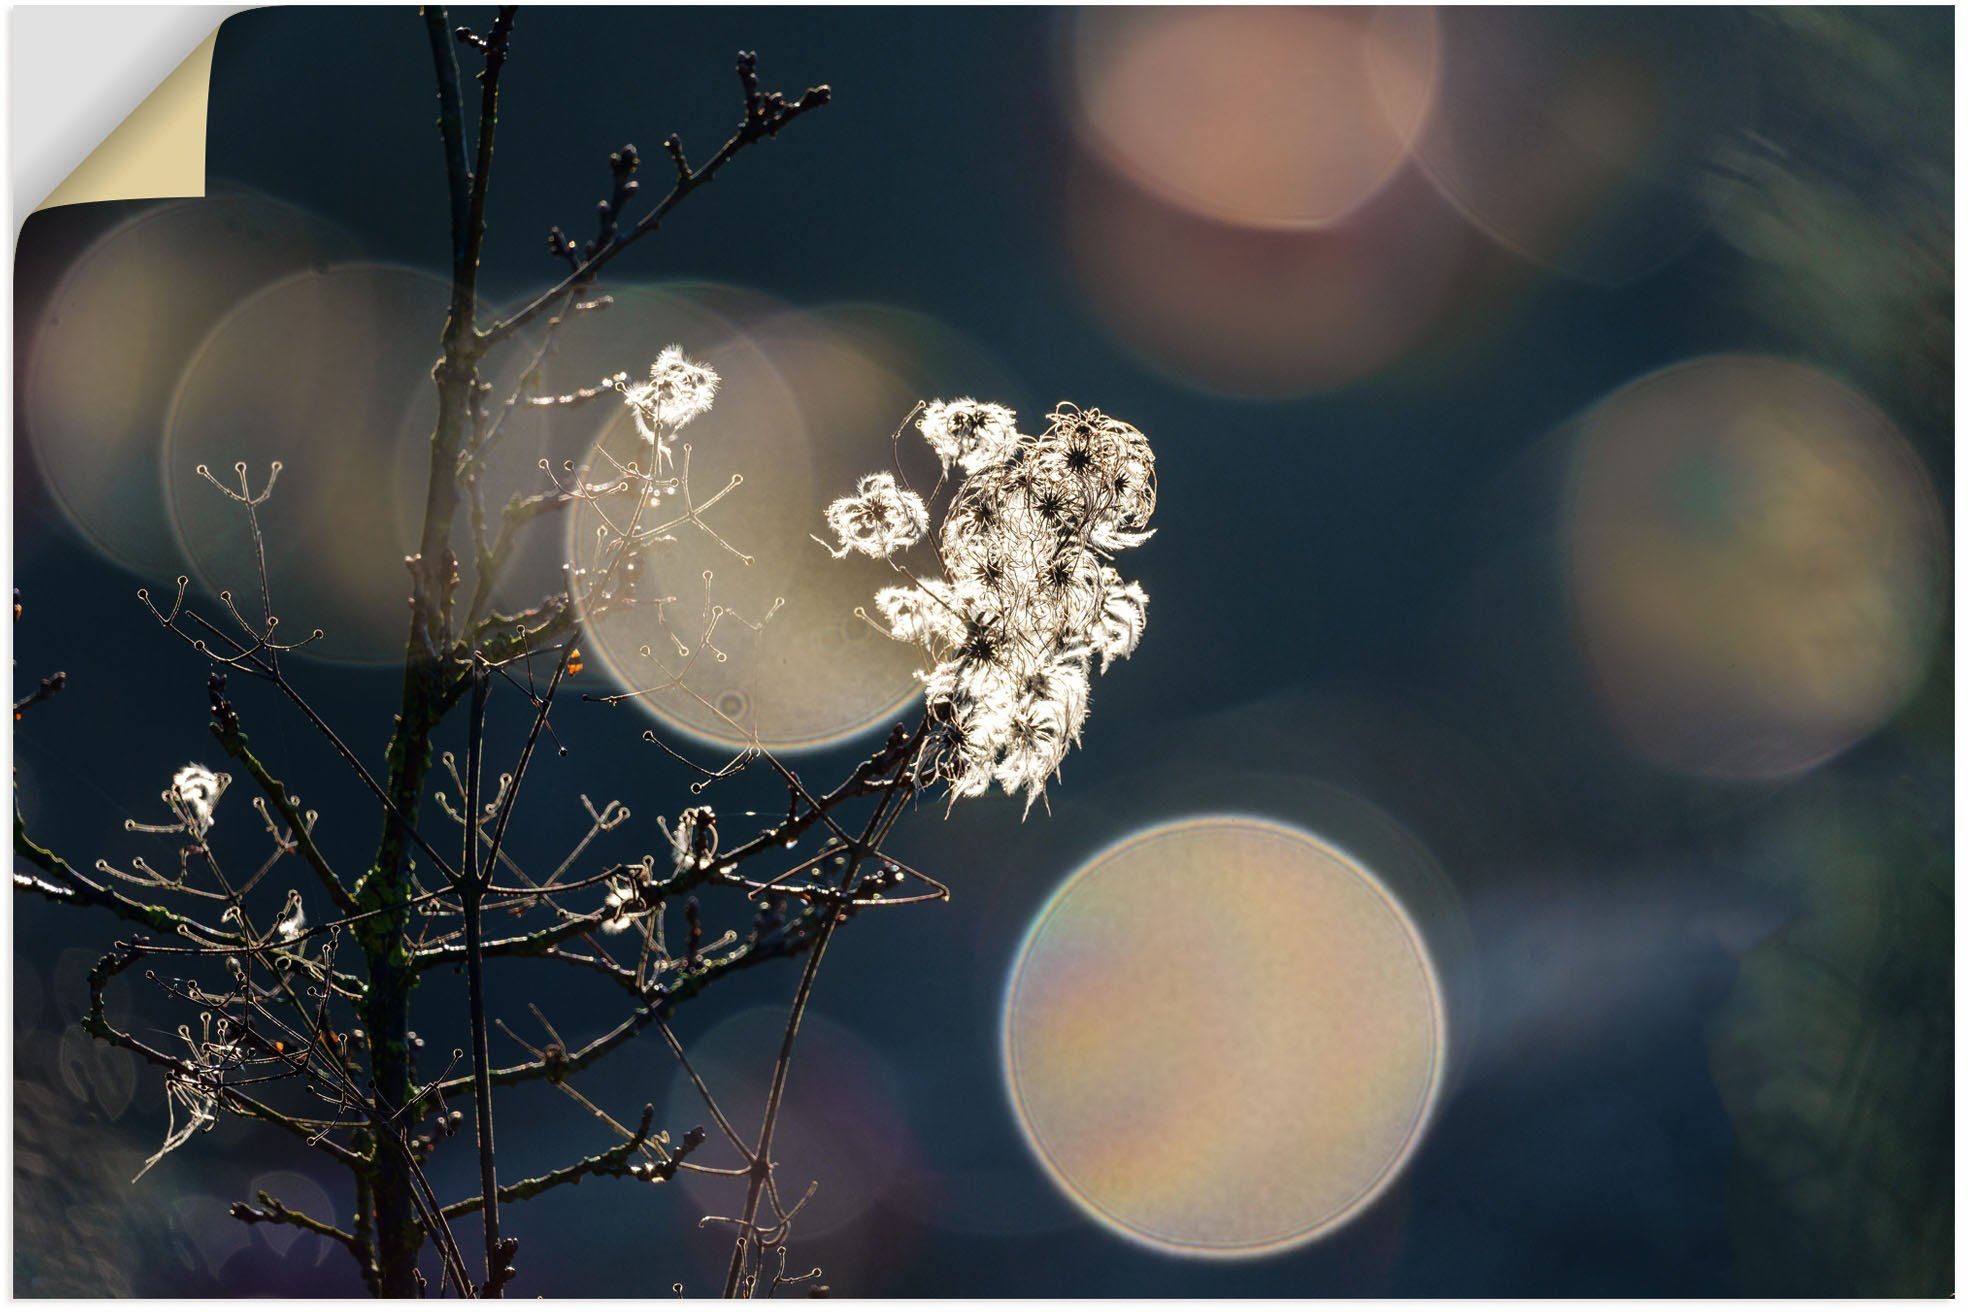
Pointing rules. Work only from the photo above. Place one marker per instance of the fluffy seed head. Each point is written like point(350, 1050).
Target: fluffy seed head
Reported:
point(1026, 596)
point(678, 390)
point(879, 520)
point(973, 434)
point(194, 794)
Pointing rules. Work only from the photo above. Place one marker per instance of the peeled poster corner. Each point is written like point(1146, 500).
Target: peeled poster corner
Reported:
point(158, 150)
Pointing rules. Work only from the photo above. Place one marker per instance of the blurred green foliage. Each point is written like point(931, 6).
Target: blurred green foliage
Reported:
point(1843, 198)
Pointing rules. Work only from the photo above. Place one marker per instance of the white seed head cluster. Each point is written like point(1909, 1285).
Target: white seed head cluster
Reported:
point(678, 391)
point(1027, 596)
point(194, 795)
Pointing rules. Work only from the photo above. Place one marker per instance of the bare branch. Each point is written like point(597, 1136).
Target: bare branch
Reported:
point(272, 1211)
point(795, 937)
point(225, 729)
point(49, 686)
point(765, 115)
point(67, 884)
point(451, 124)
point(614, 1162)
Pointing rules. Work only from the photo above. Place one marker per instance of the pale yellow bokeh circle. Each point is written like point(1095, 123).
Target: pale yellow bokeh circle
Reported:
point(1758, 564)
point(808, 402)
point(328, 373)
point(1224, 1037)
point(117, 335)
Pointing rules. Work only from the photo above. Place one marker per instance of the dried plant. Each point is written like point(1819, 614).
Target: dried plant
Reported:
point(300, 1017)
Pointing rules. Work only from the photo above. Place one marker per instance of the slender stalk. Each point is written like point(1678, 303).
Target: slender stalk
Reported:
point(488, 119)
point(451, 126)
point(885, 814)
point(472, 895)
point(761, 1167)
point(399, 1229)
point(488, 1176)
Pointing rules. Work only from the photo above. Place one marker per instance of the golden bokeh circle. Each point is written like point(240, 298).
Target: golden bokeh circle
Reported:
point(1757, 562)
point(1224, 1037)
point(808, 402)
point(328, 373)
point(119, 330)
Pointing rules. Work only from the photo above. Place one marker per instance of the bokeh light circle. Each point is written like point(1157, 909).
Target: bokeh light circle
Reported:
point(1241, 213)
point(633, 324)
point(1257, 312)
point(108, 351)
point(1757, 561)
point(327, 372)
point(838, 1125)
point(1224, 1037)
point(808, 402)
point(1286, 117)
point(1585, 139)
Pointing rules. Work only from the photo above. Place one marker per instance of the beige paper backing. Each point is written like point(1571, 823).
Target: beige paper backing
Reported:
point(159, 150)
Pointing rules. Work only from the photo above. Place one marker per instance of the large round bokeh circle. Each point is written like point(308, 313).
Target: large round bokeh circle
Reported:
point(1224, 1037)
point(1757, 561)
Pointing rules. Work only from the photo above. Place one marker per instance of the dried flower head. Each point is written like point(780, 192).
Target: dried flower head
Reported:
point(880, 519)
point(1027, 596)
point(194, 794)
point(695, 841)
point(973, 434)
point(624, 905)
point(678, 391)
point(191, 1101)
point(293, 920)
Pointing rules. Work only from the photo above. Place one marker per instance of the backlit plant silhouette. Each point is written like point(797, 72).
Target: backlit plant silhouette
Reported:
point(297, 1002)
